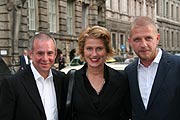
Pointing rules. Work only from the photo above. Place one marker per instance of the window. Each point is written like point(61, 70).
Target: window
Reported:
point(108, 4)
point(135, 8)
point(147, 10)
point(167, 10)
point(100, 14)
point(164, 44)
point(31, 12)
point(111, 5)
point(167, 38)
point(177, 13)
point(157, 6)
point(172, 39)
point(140, 8)
point(119, 5)
point(70, 17)
point(121, 39)
point(172, 11)
point(114, 40)
point(122, 42)
point(84, 15)
point(125, 2)
point(164, 8)
point(52, 16)
point(178, 39)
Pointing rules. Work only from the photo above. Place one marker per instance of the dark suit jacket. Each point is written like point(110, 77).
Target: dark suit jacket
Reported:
point(20, 99)
point(23, 64)
point(115, 98)
point(164, 101)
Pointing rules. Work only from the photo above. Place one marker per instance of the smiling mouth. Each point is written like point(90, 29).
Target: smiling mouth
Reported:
point(94, 59)
point(44, 64)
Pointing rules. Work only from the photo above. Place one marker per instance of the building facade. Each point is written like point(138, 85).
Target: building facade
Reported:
point(168, 20)
point(120, 13)
point(64, 19)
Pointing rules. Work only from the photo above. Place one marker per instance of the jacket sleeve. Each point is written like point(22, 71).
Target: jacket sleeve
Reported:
point(7, 100)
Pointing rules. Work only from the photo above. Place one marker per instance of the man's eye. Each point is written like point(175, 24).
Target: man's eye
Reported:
point(148, 38)
point(40, 53)
point(50, 53)
point(136, 40)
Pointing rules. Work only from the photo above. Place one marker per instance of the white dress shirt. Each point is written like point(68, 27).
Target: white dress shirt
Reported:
point(47, 93)
point(146, 77)
point(26, 59)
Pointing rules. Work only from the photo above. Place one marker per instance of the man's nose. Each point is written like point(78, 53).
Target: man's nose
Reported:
point(45, 57)
point(143, 43)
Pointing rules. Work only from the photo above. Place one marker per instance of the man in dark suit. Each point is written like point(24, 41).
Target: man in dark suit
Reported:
point(154, 78)
point(24, 60)
point(34, 93)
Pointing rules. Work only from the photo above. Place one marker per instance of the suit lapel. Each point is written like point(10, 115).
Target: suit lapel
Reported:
point(31, 88)
point(162, 71)
point(111, 87)
point(134, 86)
point(81, 87)
point(57, 85)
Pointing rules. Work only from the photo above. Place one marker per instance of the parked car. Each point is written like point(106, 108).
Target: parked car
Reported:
point(119, 59)
point(4, 70)
point(75, 61)
point(76, 64)
point(178, 54)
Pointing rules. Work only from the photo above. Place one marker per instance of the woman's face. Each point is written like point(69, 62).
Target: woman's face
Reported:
point(95, 53)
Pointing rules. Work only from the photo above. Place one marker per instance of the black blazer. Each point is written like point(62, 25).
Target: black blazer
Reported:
point(164, 101)
point(115, 98)
point(23, 64)
point(20, 99)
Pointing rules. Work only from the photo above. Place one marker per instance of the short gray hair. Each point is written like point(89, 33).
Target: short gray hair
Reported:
point(40, 36)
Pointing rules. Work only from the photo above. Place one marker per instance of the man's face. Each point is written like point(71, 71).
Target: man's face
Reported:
point(43, 56)
point(144, 40)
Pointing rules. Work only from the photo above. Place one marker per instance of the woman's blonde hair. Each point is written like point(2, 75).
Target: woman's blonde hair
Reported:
point(95, 32)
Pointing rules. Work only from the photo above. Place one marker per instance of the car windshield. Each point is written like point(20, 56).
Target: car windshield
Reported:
point(76, 61)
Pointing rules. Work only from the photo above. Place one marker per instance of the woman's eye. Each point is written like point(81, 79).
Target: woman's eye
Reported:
point(89, 49)
point(99, 49)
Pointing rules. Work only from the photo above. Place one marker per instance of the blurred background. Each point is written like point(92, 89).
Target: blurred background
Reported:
point(64, 19)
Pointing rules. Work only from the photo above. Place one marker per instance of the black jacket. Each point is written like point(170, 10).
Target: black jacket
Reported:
point(20, 99)
point(115, 99)
point(164, 100)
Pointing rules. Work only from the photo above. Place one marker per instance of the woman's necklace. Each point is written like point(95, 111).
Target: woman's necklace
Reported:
point(100, 88)
point(97, 86)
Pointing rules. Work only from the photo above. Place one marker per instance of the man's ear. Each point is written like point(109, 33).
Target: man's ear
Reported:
point(158, 37)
